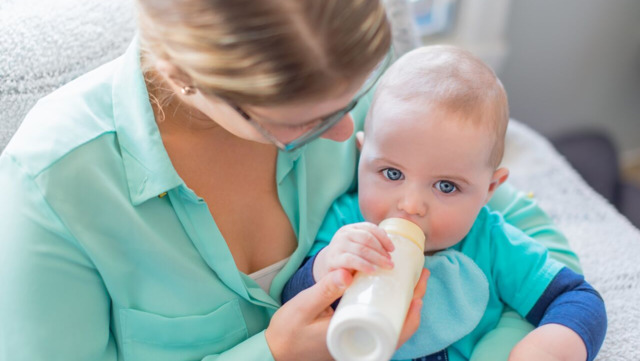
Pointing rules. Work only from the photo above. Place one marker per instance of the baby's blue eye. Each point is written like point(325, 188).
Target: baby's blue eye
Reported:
point(446, 186)
point(392, 174)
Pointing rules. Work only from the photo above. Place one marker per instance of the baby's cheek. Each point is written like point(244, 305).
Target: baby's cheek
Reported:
point(447, 230)
point(372, 208)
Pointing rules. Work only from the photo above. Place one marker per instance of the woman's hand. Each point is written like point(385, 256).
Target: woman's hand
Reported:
point(412, 321)
point(298, 330)
point(356, 247)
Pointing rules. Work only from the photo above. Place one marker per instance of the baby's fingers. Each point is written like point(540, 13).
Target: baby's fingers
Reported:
point(355, 263)
point(370, 255)
point(358, 239)
point(379, 235)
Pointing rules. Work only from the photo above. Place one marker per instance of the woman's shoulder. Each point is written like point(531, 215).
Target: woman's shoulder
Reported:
point(60, 123)
point(67, 145)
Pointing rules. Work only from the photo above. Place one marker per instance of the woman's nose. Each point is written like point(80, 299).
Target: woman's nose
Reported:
point(341, 131)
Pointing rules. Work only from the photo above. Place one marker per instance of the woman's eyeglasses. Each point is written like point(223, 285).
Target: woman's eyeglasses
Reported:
point(323, 124)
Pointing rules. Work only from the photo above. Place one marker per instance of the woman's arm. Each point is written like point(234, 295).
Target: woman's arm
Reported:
point(54, 305)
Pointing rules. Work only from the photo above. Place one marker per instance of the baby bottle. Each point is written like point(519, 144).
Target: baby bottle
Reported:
point(367, 323)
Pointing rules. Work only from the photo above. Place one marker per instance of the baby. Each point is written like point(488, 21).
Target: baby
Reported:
point(431, 151)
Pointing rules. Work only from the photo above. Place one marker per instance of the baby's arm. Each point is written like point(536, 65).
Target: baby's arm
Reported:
point(550, 342)
point(542, 290)
point(571, 321)
point(524, 213)
point(356, 247)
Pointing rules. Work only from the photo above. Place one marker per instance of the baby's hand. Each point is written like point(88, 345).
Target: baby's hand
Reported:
point(355, 247)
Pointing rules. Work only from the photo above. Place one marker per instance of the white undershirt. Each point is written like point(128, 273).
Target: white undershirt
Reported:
point(265, 276)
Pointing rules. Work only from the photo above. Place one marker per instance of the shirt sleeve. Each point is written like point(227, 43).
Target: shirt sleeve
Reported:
point(54, 304)
point(521, 268)
point(571, 301)
point(300, 281)
point(544, 290)
point(523, 212)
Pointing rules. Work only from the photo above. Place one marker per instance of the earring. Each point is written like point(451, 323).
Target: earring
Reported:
point(188, 90)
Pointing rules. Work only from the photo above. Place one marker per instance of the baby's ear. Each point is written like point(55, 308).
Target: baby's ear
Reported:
point(499, 176)
point(359, 139)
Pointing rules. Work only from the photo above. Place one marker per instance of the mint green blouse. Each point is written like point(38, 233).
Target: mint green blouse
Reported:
point(96, 264)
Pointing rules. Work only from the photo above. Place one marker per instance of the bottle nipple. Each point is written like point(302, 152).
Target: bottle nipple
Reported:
point(406, 229)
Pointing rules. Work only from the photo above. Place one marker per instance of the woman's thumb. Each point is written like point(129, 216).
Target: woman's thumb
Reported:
point(315, 299)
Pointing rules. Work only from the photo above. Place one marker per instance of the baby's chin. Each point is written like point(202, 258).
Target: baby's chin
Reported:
point(432, 246)
point(430, 251)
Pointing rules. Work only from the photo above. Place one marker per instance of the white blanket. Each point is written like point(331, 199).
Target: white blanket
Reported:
point(606, 243)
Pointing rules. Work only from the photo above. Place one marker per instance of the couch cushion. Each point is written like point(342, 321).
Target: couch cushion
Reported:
point(45, 44)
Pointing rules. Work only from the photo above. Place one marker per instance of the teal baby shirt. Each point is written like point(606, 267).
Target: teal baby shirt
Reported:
point(95, 265)
point(516, 270)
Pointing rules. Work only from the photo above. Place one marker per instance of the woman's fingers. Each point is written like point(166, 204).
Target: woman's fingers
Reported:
point(421, 286)
point(314, 300)
point(305, 319)
point(412, 321)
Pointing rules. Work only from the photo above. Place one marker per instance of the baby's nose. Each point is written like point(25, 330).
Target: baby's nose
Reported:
point(414, 205)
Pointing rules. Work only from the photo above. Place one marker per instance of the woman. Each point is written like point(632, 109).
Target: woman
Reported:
point(155, 207)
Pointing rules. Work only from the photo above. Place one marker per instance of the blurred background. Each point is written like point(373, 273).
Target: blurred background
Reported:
point(571, 69)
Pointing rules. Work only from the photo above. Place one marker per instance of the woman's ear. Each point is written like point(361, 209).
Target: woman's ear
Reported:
point(176, 78)
point(359, 139)
point(499, 176)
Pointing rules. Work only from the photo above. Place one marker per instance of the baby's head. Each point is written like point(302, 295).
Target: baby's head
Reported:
point(434, 139)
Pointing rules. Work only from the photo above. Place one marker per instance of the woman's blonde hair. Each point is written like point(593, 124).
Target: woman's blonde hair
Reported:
point(265, 52)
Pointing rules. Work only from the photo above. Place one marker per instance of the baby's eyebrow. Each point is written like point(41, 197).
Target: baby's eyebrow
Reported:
point(458, 179)
point(385, 160)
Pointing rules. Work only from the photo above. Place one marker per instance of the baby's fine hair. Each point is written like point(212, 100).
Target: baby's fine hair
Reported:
point(453, 78)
